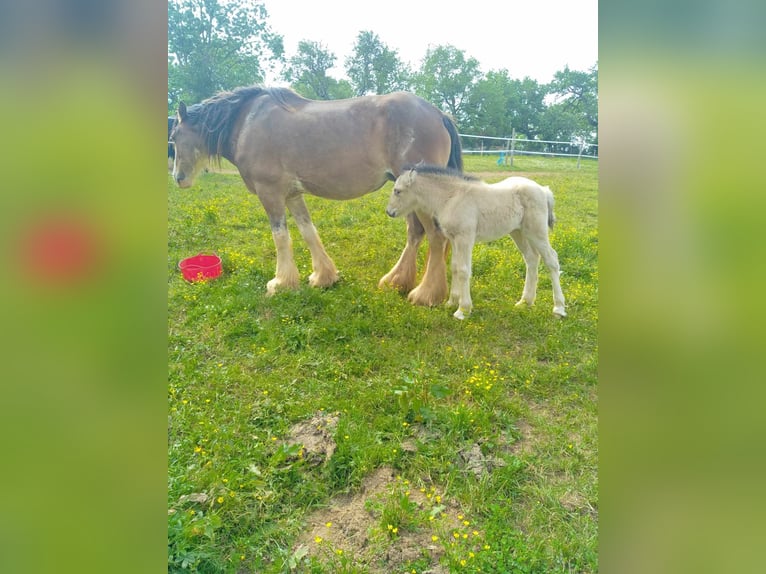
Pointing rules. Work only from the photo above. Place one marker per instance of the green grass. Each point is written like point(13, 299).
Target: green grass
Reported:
point(412, 388)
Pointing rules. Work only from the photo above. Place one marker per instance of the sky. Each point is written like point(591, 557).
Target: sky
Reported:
point(534, 38)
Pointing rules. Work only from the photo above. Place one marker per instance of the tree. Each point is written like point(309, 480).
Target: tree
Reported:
point(216, 45)
point(578, 93)
point(526, 105)
point(446, 78)
point(375, 69)
point(487, 108)
point(560, 123)
point(307, 73)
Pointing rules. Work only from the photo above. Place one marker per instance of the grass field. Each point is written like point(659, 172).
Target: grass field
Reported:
point(345, 430)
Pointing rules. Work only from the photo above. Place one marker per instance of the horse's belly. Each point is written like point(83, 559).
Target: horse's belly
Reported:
point(496, 226)
point(341, 188)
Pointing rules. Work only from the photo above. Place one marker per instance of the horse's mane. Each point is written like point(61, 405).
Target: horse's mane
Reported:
point(429, 169)
point(216, 116)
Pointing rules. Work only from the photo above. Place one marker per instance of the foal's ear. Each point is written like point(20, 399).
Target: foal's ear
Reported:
point(182, 111)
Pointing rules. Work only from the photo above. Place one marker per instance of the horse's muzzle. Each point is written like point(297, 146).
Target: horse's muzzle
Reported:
point(181, 180)
point(390, 212)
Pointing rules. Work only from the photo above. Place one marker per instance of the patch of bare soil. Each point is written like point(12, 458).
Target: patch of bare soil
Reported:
point(316, 437)
point(349, 524)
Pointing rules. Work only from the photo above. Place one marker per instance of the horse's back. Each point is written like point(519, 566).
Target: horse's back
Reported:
point(341, 148)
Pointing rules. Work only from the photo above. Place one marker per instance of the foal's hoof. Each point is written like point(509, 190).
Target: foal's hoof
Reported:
point(523, 303)
point(459, 314)
point(559, 313)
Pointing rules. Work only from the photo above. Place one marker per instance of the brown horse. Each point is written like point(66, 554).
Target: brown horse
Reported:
point(285, 145)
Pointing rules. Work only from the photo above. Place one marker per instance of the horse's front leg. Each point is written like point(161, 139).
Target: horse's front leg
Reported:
point(324, 272)
point(402, 275)
point(273, 202)
point(454, 294)
point(433, 288)
point(462, 249)
point(286, 276)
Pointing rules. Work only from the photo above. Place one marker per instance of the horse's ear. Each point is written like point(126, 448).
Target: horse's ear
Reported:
point(182, 111)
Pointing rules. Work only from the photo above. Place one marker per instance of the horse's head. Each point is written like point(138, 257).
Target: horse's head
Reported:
point(190, 151)
point(402, 201)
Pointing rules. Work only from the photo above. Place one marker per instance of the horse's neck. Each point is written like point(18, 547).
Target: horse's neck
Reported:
point(434, 195)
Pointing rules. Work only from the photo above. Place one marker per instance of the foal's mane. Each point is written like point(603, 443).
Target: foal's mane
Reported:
point(437, 170)
point(216, 116)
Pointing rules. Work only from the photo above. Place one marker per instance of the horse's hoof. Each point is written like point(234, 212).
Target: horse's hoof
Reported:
point(279, 284)
point(559, 313)
point(420, 296)
point(460, 315)
point(327, 280)
point(395, 282)
point(523, 303)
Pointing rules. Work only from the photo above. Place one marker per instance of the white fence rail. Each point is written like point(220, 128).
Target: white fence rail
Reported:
point(507, 148)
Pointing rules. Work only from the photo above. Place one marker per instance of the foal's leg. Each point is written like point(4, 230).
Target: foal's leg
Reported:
point(532, 262)
point(551, 259)
point(324, 271)
point(462, 250)
point(433, 287)
point(454, 294)
point(402, 275)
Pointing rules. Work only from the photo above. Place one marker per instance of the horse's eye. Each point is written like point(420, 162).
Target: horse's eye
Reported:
point(397, 192)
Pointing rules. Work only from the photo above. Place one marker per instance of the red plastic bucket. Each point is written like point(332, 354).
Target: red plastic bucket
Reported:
point(201, 267)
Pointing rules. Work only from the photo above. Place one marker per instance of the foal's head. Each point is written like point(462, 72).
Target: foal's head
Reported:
point(403, 200)
point(191, 153)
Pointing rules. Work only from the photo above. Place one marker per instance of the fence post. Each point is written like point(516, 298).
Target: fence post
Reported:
point(579, 155)
point(513, 144)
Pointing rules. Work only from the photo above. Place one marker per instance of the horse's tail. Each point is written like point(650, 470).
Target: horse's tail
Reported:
point(456, 149)
point(549, 200)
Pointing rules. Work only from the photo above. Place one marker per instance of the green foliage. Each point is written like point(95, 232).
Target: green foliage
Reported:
point(446, 79)
point(307, 71)
point(374, 68)
point(578, 93)
point(216, 45)
point(497, 414)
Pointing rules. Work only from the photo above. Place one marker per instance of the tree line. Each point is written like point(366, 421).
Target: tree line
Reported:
point(215, 45)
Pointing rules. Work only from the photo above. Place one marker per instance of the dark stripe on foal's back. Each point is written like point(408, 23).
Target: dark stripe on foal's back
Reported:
point(439, 170)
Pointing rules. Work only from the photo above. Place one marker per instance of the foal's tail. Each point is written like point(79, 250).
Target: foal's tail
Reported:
point(549, 199)
point(456, 149)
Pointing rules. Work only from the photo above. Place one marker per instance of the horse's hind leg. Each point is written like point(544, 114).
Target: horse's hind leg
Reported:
point(402, 275)
point(551, 260)
point(433, 288)
point(532, 262)
point(324, 272)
